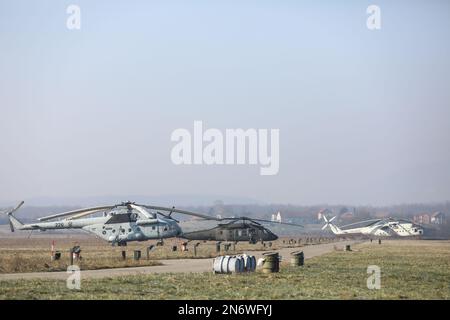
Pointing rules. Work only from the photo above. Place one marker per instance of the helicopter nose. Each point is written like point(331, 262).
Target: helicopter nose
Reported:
point(178, 230)
point(175, 230)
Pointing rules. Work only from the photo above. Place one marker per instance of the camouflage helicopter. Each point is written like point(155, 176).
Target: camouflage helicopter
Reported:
point(228, 229)
point(119, 224)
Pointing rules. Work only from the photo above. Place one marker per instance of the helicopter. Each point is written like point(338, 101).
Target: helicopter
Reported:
point(119, 224)
point(232, 229)
point(376, 227)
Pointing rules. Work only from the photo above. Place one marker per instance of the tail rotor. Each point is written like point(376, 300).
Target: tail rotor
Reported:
point(327, 222)
point(13, 222)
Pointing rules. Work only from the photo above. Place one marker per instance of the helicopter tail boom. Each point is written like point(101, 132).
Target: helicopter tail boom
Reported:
point(13, 222)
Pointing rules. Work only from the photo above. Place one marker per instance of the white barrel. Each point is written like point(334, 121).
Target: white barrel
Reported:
point(235, 265)
point(224, 264)
point(245, 258)
point(248, 264)
point(217, 265)
point(228, 264)
point(260, 262)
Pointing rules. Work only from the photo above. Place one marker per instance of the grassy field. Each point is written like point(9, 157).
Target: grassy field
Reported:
point(19, 255)
point(409, 270)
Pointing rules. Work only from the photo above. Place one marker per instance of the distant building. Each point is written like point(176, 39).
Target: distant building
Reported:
point(437, 218)
point(320, 216)
point(323, 213)
point(424, 218)
point(276, 217)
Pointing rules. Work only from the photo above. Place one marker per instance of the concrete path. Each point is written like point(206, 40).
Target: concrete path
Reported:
point(177, 265)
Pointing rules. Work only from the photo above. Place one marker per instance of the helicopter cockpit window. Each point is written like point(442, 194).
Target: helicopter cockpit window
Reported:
point(133, 217)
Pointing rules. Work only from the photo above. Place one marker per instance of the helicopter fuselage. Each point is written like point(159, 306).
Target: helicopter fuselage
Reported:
point(232, 233)
point(118, 228)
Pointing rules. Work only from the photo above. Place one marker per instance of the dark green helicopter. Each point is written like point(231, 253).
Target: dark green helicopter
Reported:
point(228, 229)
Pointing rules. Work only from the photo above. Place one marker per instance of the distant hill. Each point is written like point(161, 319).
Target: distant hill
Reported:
point(234, 206)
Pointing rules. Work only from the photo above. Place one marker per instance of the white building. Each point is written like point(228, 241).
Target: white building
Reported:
point(437, 218)
point(278, 218)
point(322, 213)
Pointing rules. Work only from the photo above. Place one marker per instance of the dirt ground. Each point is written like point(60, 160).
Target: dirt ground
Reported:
point(179, 265)
point(408, 269)
point(22, 254)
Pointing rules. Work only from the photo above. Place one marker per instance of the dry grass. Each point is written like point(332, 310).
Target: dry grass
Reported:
point(18, 255)
point(410, 270)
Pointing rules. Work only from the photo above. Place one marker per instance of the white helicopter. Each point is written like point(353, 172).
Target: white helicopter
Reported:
point(118, 224)
point(376, 227)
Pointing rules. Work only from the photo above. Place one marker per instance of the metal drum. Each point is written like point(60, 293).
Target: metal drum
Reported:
point(271, 262)
point(297, 259)
point(228, 264)
point(249, 263)
point(241, 264)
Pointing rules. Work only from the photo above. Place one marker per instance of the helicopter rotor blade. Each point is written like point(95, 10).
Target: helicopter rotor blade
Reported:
point(263, 220)
point(75, 212)
point(416, 223)
point(141, 210)
point(83, 214)
point(276, 222)
point(371, 221)
point(255, 220)
point(11, 211)
point(203, 216)
point(167, 216)
point(206, 217)
point(16, 208)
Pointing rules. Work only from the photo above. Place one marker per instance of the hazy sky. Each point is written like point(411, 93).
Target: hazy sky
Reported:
point(364, 116)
